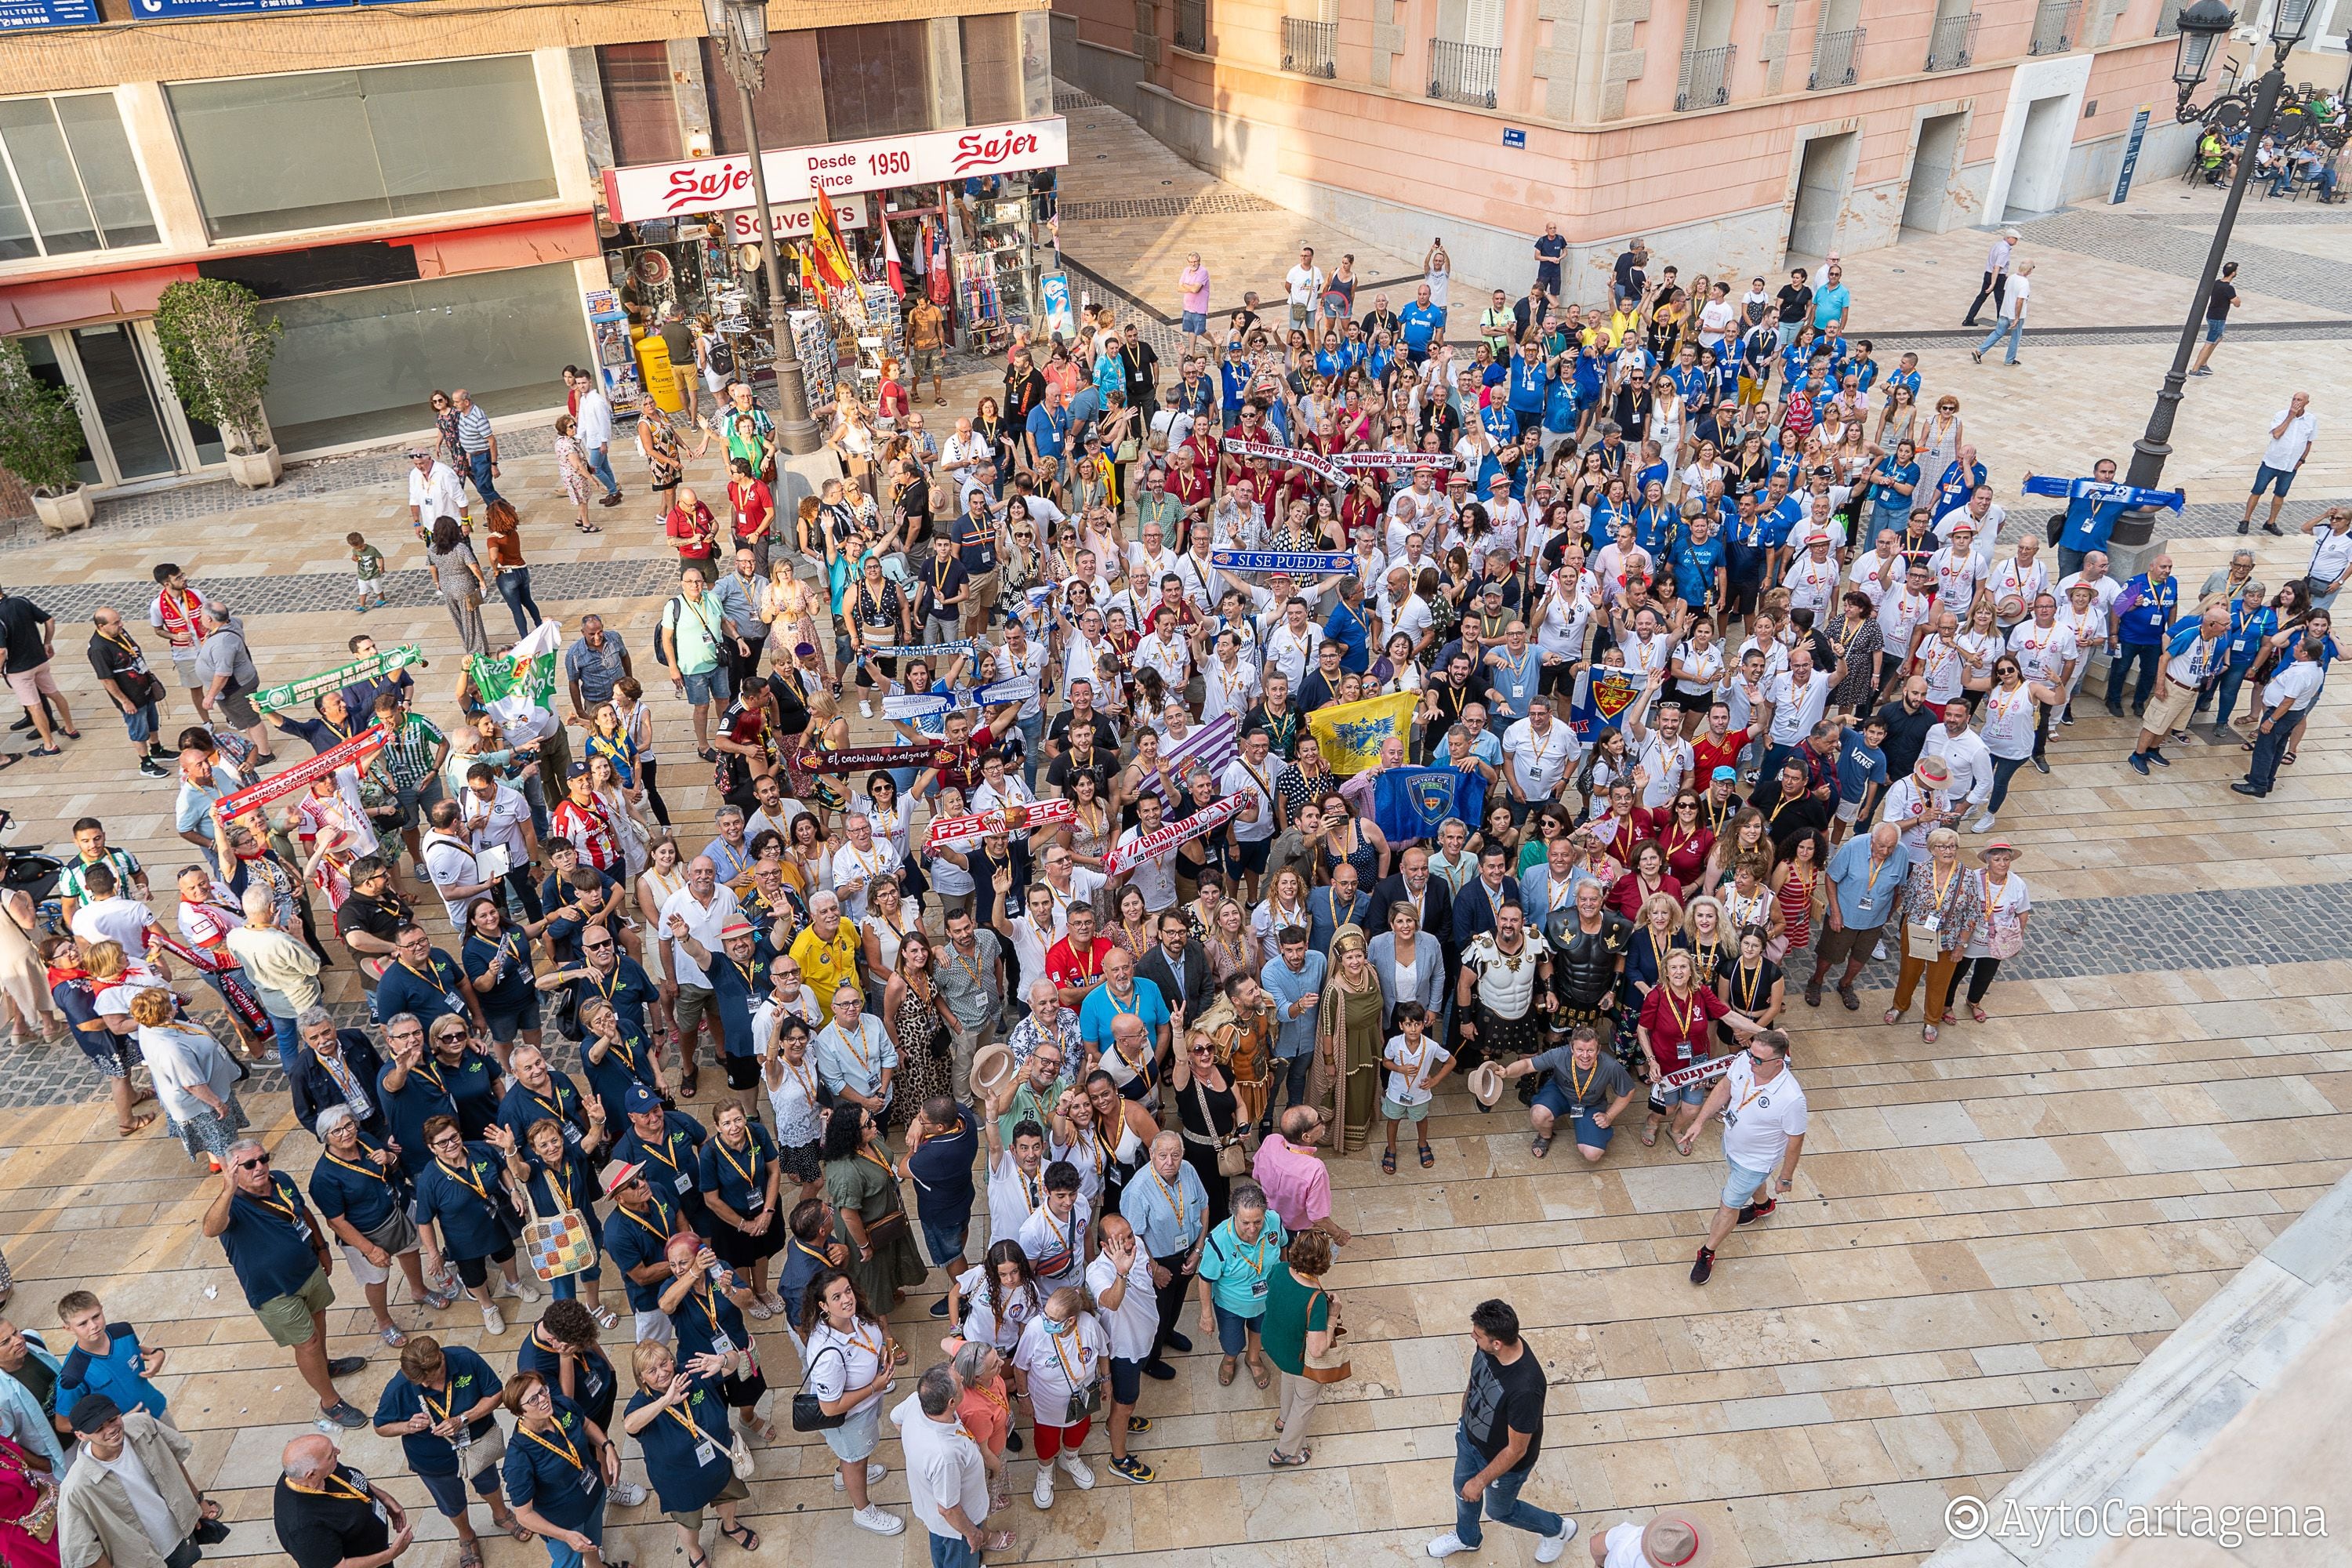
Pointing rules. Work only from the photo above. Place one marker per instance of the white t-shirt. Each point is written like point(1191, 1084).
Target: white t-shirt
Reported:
point(1153, 875)
point(1408, 1074)
point(2003, 907)
point(120, 920)
point(944, 1469)
point(1305, 285)
point(993, 1322)
point(2013, 298)
point(2042, 651)
point(1624, 1545)
point(1759, 1122)
point(795, 1100)
point(2008, 722)
point(1811, 584)
point(1241, 776)
point(1059, 1365)
point(1668, 763)
point(1540, 761)
point(449, 864)
point(153, 1514)
point(839, 1363)
point(1796, 710)
point(1134, 1323)
point(1056, 1248)
point(1899, 613)
point(859, 867)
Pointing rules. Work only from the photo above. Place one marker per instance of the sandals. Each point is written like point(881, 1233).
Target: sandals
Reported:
point(132, 1128)
point(1428, 1157)
point(1225, 1371)
point(472, 1557)
point(1387, 1161)
point(1650, 1136)
point(1539, 1147)
point(1262, 1377)
point(742, 1535)
point(1893, 1015)
point(1282, 1461)
point(1927, 1035)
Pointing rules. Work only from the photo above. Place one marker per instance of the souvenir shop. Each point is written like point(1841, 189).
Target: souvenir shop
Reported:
point(964, 217)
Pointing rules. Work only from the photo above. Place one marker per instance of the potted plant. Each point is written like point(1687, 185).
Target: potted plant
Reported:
point(41, 441)
point(217, 348)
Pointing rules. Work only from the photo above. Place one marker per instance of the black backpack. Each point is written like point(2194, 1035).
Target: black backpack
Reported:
point(720, 357)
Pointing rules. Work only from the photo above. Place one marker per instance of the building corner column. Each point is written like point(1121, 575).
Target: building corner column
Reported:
point(1036, 64)
point(943, 42)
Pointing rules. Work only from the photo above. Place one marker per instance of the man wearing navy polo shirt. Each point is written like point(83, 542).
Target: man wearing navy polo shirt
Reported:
point(1351, 626)
point(635, 1234)
point(2144, 613)
point(539, 1093)
point(422, 980)
point(410, 1089)
point(439, 1395)
point(279, 1253)
point(666, 1147)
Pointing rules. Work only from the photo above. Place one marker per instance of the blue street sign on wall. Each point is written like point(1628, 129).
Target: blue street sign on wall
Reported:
point(1515, 138)
point(16, 16)
point(200, 10)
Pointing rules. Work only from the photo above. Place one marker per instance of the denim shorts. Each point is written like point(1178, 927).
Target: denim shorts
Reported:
point(2214, 329)
point(2274, 479)
point(1196, 322)
point(856, 1438)
point(1688, 1094)
point(710, 686)
point(1234, 1330)
point(140, 722)
point(448, 1492)
point(1739, 1185)
point(944, 1238)
point(504, 1024)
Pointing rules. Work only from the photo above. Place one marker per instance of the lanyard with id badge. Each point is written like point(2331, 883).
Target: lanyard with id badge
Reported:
point(1926, 935)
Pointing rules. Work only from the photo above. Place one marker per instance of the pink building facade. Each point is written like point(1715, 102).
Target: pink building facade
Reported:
point(1734, 135)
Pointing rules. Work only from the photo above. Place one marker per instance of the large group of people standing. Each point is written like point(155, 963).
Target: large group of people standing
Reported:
point(1082, 924)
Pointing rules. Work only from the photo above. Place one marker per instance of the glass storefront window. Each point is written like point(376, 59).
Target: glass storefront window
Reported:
point(68, 182)
point(325, 148)
point(877, 79)
point(992, 68)
point(359, 365)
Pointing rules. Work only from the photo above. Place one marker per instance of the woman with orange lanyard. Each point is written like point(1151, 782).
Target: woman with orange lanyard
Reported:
point(1797, 885)
point(1065, 1362)
point(1710, 937)
point(706, 1302)
point(1747, 902)
point(1673, 1035)
point(1941, 906)
point(1752, 983)
point(863, 1186)
point(559, 1472)
point(851, 1361)
point(681, 1429)
point(1685, 840)
point(1646, 879)
point(741, 1182)
point(460, 1186)
point(794, 1093)
point(562, 1176)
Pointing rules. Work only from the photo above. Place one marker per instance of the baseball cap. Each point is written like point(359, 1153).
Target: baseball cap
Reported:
point(576, 771)
point(91, 1411)
point(640, 1099)
point(1725, 775)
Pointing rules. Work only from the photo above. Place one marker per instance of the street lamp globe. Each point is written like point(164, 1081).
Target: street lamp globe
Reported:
point(2203, 25)
point(2289, 22)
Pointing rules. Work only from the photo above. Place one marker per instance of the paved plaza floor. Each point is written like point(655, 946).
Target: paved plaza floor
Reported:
point(1988, 1234)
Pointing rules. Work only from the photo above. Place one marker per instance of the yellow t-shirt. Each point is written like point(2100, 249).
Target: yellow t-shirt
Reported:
point(826, 966)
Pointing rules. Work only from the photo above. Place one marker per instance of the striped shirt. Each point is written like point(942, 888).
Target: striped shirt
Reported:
point(121, 862)
point(474, 429)
point(409, 756)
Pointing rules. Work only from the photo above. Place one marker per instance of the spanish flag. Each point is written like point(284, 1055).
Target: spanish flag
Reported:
point(826, 248)
point(1351, 732)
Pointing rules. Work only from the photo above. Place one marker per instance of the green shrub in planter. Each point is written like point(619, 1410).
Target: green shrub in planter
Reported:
point(40, 432)
point(218, 349)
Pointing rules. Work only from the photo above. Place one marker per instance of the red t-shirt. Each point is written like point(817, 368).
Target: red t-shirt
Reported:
point(1676, 1023)
point(690, 533)
point(890, 400)
point(1628, 896)
point(1707, 756)
point(753, 506)
point(1065, 968)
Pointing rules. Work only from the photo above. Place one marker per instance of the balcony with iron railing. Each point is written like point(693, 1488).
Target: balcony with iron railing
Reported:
point(1953, 43)
point(1310, 49)
point(2054, 26)
point(1837, 60)
point(1706, 79)
point(1192, 25)
point(1464, 73)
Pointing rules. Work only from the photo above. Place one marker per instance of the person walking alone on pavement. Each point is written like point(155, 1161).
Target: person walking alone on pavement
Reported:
point(2217, 301)
point(1497, 1442)
point(1996, 276)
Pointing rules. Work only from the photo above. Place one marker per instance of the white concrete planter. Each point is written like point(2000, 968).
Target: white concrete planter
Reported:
point(256, 470)
point(63, 514)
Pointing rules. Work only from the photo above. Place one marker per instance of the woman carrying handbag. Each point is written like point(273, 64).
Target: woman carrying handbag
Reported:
point(1302, 1329)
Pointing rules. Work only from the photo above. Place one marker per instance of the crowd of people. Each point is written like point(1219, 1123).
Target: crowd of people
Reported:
point(1258, 748)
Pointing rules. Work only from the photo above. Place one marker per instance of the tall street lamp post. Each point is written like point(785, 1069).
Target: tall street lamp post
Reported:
point(2203, 25)
point(739, 28)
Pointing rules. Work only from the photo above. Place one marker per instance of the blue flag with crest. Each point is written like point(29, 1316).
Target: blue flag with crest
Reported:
point(1410, 802)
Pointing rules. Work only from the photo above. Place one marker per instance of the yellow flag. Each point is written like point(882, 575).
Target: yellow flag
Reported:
point(1351, 732)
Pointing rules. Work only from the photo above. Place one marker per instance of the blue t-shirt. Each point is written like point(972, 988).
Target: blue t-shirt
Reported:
point(734, 989)
point(269, 1242)
point(2150, 613)
point(1865, 903)
point(594, 1384)
point(1830, 303)
point(558, 1472)
point(357, 1189)
point(622, 1067)
point(1530, 378)
point(672, 1160)
point(1099, 1009)
point(1417, 325)
point(1694, 567)
point(943, 1170)
point(686, 1447)
point(1233, 380)
point(1345, 627)
point(430, 994)
point(627, 988)
point(1860, 765)
point(119, 1373)
point(466, 1380)
point(1549, 248)
point(513, 991)
point(563, 933)
point(472, 1206)
point(1049, 427)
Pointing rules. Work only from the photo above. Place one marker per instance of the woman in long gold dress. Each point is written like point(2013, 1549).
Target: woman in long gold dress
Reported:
point(1349, 1027)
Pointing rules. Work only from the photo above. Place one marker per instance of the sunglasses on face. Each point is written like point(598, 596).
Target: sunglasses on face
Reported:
point(259, 1162)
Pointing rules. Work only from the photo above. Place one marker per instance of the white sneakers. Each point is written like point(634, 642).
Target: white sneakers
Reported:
point(865, 707)
point(875, 1471)
point(1042, 1494)
point(628, 1494)
point(1982, 824)
point(874, 1519)
point(1080, 1471)
point(1549, 1549)
point(493, 1322)
point(521, 1289)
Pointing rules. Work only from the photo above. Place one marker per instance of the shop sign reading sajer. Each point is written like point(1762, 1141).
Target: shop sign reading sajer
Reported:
point(795, 174)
